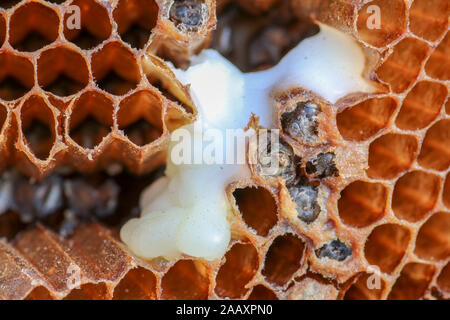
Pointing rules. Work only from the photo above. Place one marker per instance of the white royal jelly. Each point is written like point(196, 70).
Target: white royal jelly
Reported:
point(186, 212)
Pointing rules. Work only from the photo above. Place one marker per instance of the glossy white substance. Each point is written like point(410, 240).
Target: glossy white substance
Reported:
point(186, 211)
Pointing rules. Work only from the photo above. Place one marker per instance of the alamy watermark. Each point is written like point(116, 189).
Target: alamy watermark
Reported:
point(199, 146)
point(374, 19)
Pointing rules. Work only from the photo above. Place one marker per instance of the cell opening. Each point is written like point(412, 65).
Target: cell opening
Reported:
point(446, 192)
point(135, 20)
point(257, 207)
point(283, 259)
point(261, 292)
point(38, 126)
point(95, 25)
point(140, 117)
point(240, 267)
point(39, 293)
point(415, 194)
point(91, 119)
point(115, 69)
point(89, 291)
point(443, 281)
point(438, 65)
point(186, 280)
point(386, 246)
point(366, 288)
point(16, 76)
point(433, 239)
point(2, 30)
point(138, 284)
point(362, 203)
point(32, 27)
point(403, 66)
point(367, 118)
point(421, 106)
point(391, 154)
point(62, 72)
point(160, 76)
point(413, 282)
point(435, 152)
point(429, 19)
point(392, 21)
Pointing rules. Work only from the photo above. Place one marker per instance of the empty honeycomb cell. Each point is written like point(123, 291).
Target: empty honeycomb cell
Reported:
point(240, 267)
point(421, 106)
point(403, 66)
point(140, 117)
point(39, 293)
point(382, 21)
point(91, 119)
point(62, 71)
point(283, 259)
point(364, 120)
point(429, 18)
point(135, 20)
point(38, 126)
point(138, 284)
point(94, 22)
point(16, 76)
point(261, 292)
point(257, 207)
point(367, 287)
point(438, 66)
point(386, 246)
point(115, 69)
point(186, 280)
point(443, 281)
point(415, 194)
point(89, 291)
point(446, 192)
point(414, 280)
point(433, 239)
point(33, 26)
point(435, 152)
point(362, 203)
point(2, 30)
point(391, 154)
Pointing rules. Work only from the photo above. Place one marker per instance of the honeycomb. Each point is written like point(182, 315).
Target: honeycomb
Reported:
point(83, 99)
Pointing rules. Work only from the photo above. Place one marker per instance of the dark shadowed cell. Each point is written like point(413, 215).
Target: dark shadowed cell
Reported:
point(187, 14)
point(335, 249)
point(323, 166)
point(305, 196)
point(91, 198)
point(48, 196)
point(302, 122)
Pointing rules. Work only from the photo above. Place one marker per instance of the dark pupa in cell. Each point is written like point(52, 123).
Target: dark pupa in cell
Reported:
point(305, 197)
point(322, 166)
point(187, 14)
point(335, 249)
point(287, 161)
point(302, 123)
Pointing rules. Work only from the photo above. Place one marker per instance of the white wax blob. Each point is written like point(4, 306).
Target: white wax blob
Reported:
point(186, 212)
